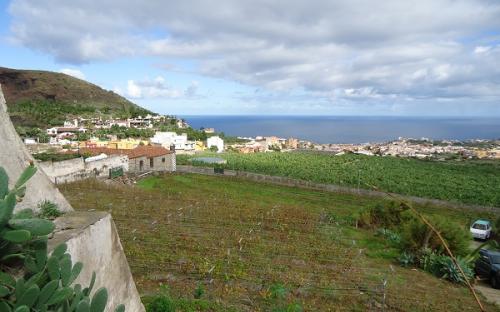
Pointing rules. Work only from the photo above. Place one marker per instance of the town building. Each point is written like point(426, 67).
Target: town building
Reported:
point(28, 141)
point(58, 131)
point(199, 146)
point(292, 143)
point(208, 130)
point(167, 139)
point(217, 142)
point(142, 158)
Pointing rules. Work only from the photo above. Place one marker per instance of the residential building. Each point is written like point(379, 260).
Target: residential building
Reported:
point(217, 142)
point(181, 124)
point(119, 123)
point(129, 143)
point(167, 139)
point(142, 158)
point(292, 143)
point(273, 141)
point(199, 146)
point(56, 131)
point(30, 141)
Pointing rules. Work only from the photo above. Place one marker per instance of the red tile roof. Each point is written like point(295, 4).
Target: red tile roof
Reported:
point(140, 151)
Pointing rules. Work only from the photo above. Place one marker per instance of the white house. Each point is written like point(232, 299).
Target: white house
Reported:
point(119, 123)
point(217, 142)
point(57, 131)
point(165, 139)
point(30, 141)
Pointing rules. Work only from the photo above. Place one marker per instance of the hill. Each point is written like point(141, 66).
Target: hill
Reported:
point(236, 245)
point(40, 98)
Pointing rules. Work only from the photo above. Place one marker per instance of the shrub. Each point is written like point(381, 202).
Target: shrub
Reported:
point(443, 266)
point(199, 291)
point(406, 259)
point(292, 307)
point(497, 225)
point(48, 210)
point(162, 303)
point(277, 291)
point(386, 215)
point(393, 237)
point(417, 236)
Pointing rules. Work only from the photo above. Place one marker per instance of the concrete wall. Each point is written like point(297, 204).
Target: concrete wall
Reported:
point(93, 240)
point(161, 163)
point(70, 170)
point(14, 157)
point(61, 168)
point(331, 187)
point(113, 161)
point(91, 236)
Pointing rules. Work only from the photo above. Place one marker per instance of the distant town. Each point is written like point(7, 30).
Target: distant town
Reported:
point(174, 134)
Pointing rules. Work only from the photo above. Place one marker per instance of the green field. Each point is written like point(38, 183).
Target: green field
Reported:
point(261, 247)
point(469, 182)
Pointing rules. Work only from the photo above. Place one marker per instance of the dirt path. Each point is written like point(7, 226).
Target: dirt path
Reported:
point(491, 294)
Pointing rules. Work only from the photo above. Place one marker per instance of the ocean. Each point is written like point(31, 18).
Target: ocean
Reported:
point(336, 129)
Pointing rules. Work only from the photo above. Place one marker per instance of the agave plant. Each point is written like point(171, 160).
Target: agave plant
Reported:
point(33, 280)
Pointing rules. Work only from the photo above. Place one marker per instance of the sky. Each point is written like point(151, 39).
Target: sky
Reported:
point(261, 57)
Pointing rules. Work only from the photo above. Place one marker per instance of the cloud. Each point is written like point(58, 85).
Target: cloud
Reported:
point(192, 89)
point(157, 88)
point(340, 50)
point(73, 72)
point(133, 90)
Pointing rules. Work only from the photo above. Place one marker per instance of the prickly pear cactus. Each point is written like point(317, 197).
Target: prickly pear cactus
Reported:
point(47, 281)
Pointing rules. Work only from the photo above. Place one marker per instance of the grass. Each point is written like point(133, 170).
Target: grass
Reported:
point(260, 247)
point(469, 182)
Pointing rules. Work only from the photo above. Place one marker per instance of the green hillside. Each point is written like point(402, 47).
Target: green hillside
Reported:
point(42, 98)
point(468, 182)
point(227, 244)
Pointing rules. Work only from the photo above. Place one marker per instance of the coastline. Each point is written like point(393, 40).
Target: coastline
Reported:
point(351, 129)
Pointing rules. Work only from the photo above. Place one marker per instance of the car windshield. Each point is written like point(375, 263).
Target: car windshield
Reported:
point(495, 259)
point(479, 226)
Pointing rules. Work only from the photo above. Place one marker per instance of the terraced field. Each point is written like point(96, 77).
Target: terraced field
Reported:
point(469, 182)
point(258, 247)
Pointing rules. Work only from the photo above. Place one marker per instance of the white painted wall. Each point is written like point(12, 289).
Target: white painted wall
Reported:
point(165, 139)
point(217, 142)
point(77, 169)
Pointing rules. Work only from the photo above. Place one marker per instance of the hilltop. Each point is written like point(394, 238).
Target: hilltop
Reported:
point(35, 98)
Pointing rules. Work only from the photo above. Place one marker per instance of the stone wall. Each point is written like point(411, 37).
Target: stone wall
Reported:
point(164, 163)
point(93, 240)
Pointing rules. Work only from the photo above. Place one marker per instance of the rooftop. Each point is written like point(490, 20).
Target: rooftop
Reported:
point(140, 151)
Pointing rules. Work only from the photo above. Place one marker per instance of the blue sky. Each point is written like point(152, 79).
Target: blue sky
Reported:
point(318, 57)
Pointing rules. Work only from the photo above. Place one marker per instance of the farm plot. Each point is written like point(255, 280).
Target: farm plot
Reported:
point(466, 182)
point(257, 247)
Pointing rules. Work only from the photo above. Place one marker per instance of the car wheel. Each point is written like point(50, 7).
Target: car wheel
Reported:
point(493, 281)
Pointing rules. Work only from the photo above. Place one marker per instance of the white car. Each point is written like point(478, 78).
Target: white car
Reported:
point(481, 229)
